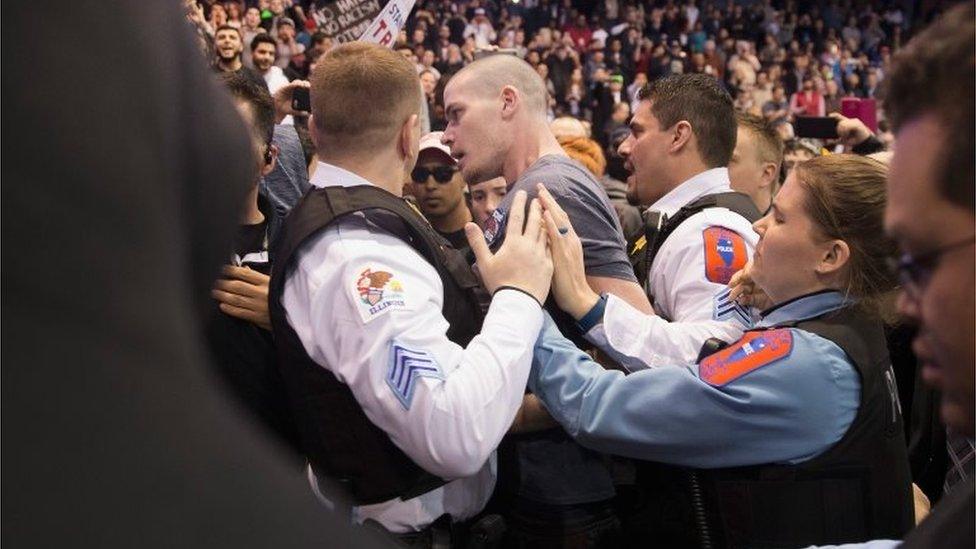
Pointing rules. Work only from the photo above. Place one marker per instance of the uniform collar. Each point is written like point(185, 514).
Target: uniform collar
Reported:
point(329, 175)
point(803, 307)
point(711, 181)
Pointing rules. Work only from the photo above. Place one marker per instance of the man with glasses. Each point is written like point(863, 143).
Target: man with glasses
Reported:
point(931, 214)
point(439, 189)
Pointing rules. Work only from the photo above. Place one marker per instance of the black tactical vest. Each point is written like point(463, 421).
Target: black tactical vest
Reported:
point(337, 438)
point(858, 490)
point(658, 227)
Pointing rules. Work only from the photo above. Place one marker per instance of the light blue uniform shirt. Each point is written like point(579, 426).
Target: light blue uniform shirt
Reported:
point(787, 411)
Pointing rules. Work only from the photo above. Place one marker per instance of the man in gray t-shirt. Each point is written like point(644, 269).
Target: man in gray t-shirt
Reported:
point(586, 202)
point(496, 113)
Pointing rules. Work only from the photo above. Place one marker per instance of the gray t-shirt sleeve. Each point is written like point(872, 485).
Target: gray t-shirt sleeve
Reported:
point(589, 209)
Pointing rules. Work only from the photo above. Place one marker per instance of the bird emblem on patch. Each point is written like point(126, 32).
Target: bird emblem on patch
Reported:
point(753, 351)
point(725, 254)
point(378, 291)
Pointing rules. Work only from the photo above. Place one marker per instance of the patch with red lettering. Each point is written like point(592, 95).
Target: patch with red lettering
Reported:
point(725, 254)
point(753, 351)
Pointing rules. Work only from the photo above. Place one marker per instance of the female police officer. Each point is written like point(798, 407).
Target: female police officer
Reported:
point(789, 436)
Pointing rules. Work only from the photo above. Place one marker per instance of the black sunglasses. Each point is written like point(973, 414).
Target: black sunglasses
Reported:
point(442, 174)
point(914, 271)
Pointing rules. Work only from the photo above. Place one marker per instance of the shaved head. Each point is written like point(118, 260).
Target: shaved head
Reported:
point(490, 74)
point(496, 118)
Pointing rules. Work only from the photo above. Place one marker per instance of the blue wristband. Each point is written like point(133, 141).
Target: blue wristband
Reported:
point(594, 316)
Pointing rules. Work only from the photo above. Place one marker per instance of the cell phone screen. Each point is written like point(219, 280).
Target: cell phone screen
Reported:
point(300, 100)
point(817, 127)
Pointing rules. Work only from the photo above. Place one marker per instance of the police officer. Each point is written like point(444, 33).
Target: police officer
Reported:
point(400, 393)
point(698, 231)
point(791, 435)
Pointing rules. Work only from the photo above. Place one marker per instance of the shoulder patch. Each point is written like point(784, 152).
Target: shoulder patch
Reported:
point(725, 254)
point(406, 365)
point(753, 351)
point(377, 291)
point(494, 225)
point(726, 309)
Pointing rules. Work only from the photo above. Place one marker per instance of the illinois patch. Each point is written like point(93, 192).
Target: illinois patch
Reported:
point(376, 292)
point(725, 254)
point(753, 351)
point(406, 365)
point(494, 225)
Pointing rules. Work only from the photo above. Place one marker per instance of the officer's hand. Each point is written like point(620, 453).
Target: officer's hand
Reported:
point(283, 97)
point(569, 286)
point(851, 131)
point(244, 295)
point(745, 292)
point(523, 261)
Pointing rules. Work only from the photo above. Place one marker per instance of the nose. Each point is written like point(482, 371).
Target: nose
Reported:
point(447, 138)
point(625, 147)
point(760, 225)
point(907, 304)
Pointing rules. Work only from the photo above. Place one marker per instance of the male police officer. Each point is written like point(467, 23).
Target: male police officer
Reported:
point(372, 313)
point(698, 231)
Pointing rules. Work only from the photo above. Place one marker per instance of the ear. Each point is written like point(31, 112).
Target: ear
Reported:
point(511, 101)
point(313, 133)
point(835, 258)
point(682, 134)
point(770, 173)
point(271, 161)
point(409, 142)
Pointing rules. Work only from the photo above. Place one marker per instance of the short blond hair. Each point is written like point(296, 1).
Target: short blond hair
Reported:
point(362, 94)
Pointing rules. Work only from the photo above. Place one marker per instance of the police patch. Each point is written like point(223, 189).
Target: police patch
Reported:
point(493, 226)
point(753, 351)
point(725, 254)
point(377, 292)
point(726, 309)
point(406, 365)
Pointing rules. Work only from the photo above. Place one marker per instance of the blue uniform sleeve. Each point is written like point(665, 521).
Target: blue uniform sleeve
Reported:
point(787, 411)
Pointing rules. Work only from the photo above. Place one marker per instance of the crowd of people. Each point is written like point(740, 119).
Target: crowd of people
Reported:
point(778, 60)
point(571, 274)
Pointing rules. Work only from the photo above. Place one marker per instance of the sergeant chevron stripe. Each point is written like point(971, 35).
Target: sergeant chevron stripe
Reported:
point(406, 365)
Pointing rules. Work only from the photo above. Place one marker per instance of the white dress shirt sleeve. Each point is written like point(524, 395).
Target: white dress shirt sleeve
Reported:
point(638, 340)
point(375, 322)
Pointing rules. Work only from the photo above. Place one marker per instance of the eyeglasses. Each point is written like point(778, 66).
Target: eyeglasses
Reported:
point(442, 174)
point(914, 272)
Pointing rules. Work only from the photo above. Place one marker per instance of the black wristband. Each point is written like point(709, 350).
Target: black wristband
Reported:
point(500, 288)
point(870, 145)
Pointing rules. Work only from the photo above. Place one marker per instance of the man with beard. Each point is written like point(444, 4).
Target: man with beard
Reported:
point(263, 50)
point(229, 44)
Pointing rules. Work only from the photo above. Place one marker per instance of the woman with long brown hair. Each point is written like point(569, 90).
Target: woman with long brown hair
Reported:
point(791, 435)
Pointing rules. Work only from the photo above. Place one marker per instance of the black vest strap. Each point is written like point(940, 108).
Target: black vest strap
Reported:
point(658, 227)
point(337, 437)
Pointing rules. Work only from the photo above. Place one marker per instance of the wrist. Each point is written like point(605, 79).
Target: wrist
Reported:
point(594, 316)
point(583, 301)
point(520, 290)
